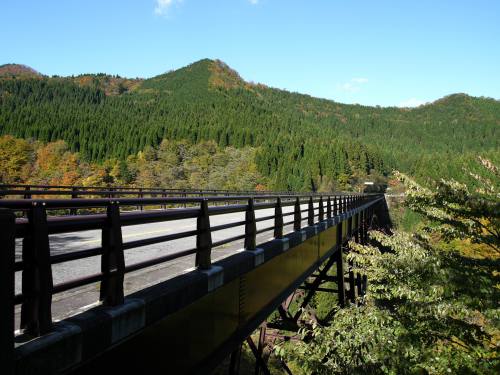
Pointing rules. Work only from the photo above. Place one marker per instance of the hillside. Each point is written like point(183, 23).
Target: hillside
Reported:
point(18, 71)
point(110, 85)
point(303, 142)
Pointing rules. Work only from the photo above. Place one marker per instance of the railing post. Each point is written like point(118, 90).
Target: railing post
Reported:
point(8, 248)
point(74, 195)
point(297, 217)
point(335, 205)
point(250, 226)
point(112, 259)
point(321, 210)
point(164, 195)
point(27, 194)
point(203, 238)
point(37, 283)
point(340, 266)
point(278, 219)
point(140, 195)
point(310, 212)
point(329, 208)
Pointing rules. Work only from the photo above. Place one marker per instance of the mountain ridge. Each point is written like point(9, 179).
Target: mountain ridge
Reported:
point(18, 70)
point(223, 76)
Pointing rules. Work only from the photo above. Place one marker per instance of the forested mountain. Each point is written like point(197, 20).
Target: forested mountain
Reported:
point(302, 142)
point(17, 70)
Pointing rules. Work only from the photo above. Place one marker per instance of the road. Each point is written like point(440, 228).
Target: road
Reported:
point(74, 301)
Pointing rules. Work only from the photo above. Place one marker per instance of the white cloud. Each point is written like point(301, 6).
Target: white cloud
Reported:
point(359, 80)
point(349, 87)
point(162, 6)
point(354, 85)
point(412, 102)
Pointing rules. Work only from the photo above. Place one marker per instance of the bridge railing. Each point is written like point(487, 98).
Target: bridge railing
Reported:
point(30, 191)
point(35, 229)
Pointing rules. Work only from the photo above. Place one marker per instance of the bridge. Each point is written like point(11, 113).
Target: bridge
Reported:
point(217, 264)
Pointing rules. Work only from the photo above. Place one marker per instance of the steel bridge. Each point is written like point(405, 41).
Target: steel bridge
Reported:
point(187, 323)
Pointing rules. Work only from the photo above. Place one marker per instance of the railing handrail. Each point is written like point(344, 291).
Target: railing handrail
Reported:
point(19, 189)
point(30, 190)
point(103, 202)
point(110, 186)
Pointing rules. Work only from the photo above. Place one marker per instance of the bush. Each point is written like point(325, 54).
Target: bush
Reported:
point(427, 310)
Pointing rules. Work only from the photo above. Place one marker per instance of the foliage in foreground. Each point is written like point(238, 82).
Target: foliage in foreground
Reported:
point(427, 310)
point(454, 211)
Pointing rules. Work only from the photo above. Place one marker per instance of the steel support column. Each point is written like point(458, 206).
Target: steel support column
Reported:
point(339, 255)
point(315, 285)
point(258, 358)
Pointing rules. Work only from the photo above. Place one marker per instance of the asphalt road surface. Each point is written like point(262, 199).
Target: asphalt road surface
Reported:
point(80, 299)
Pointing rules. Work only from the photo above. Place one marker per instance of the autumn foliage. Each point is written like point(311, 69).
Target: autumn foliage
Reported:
point(173, 164)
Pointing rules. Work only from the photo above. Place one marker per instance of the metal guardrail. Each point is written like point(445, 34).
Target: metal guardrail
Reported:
point(35, 229)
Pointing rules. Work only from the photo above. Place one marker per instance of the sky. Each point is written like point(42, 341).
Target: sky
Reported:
point(372, 52)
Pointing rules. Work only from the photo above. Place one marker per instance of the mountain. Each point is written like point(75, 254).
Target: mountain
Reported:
point(17, 70)
point(303, 142)
point(200, 76)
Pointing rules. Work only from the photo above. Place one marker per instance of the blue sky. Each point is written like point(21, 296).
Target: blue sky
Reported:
point(373, 52)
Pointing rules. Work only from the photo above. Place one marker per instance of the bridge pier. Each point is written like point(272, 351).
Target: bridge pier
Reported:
point(340, 268)
point(235, 360)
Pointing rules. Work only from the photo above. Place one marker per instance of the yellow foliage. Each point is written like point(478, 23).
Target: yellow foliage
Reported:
point(15, 159)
